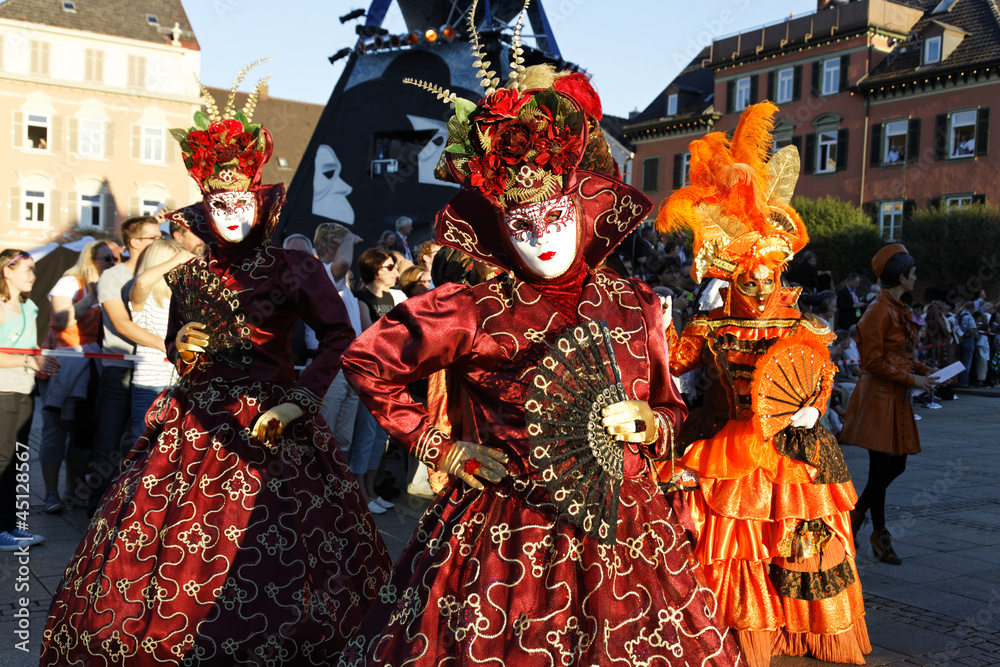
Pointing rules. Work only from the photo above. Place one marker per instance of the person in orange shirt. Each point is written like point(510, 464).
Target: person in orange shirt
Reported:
point(74, 322)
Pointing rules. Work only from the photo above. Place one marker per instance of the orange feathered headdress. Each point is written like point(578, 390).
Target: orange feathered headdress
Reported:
point(738, 201)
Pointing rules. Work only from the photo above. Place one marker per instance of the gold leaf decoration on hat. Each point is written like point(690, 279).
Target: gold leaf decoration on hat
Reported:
point(517, 52)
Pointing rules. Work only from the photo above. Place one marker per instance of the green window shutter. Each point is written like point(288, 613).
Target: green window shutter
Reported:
point(809, 164)
point(983, 132)
point(876, 154)
point(913, 141)
point(940, 136)
point(842, 149)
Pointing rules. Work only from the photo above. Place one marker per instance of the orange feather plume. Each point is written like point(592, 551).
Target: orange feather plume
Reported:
point(736, 188)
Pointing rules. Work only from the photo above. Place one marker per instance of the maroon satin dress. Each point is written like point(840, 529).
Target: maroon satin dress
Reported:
point(211, 547)
point(495, 576)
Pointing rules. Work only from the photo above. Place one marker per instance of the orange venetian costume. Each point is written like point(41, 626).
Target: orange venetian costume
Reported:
point(770, 508)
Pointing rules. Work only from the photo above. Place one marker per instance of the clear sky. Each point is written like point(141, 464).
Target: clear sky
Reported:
point(633, 48)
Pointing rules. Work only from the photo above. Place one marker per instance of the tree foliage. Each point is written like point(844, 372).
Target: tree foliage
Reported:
point(957, 249)
point(842, 236)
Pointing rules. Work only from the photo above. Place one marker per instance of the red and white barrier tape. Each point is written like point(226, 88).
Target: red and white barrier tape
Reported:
point(76, 354)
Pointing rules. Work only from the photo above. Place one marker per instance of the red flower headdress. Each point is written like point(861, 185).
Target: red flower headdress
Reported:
point(515, 146)
point(226, 151)
point(538, 138)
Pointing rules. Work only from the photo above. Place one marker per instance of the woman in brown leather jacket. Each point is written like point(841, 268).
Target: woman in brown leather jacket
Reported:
point(880, 415)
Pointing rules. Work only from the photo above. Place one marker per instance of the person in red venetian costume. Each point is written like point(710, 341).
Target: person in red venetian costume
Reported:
point(771, 493)
point(495, 573)
point(235, 533)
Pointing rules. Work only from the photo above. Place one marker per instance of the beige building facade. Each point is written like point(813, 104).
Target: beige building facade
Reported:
point(88, 116)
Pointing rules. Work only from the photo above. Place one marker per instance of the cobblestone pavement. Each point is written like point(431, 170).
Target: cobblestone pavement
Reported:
point(940, 607)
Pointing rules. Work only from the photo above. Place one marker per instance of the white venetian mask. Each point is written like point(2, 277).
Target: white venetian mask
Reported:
point(544, 235)
point(232, 213)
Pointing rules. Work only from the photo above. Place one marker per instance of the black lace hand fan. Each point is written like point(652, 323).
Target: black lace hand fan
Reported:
point(201, 297)
point(579, 463)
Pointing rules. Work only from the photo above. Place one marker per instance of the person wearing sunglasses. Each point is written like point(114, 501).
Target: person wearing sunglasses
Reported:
point(17, 381)
point(379, 274)
point(114, 425)
point(68, 420)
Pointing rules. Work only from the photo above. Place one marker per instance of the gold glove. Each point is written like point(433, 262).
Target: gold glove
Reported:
point(191, 341)
point(269, 426)
point(631, 421)
point(468, 460)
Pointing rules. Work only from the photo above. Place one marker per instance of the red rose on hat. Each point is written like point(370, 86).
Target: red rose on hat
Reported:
point(488, 174)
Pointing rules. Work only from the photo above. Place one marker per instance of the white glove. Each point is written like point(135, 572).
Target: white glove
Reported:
point(805, 417)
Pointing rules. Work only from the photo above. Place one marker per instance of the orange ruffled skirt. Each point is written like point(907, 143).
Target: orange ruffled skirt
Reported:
point(750, 503)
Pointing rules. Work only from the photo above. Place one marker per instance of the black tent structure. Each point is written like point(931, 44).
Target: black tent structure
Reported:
point(372, 155)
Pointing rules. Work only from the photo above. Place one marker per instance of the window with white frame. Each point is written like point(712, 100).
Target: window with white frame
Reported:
point(894, 142)
point(35, 203)
point(90, 210)
point(150, 207)
point(826, 152)
point(932, 50)
point(91, 139)
point(962, 134)
point(685, 166)
point(152, 144)
point(890, 219)
point(672, 105)
point(782, 134)
point(37, 132)
point(742, 94)
point(958, 201)
point(786, 85)
point(831, 76)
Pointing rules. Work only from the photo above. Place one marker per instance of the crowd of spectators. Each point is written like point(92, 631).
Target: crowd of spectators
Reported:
point(949, 330)
point(115, 299)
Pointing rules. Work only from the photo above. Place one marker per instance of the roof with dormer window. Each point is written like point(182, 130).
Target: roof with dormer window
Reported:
point(977, 22)
point(695, 89)
point(117, 18)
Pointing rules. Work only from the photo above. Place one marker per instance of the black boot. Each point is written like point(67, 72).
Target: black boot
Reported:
point(882, 547)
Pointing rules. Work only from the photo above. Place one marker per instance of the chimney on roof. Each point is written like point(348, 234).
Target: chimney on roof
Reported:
point(632, 114)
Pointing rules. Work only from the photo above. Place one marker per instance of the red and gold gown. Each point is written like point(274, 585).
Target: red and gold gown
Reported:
point(495, 577)
point(771, 514)
point(211, 547)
